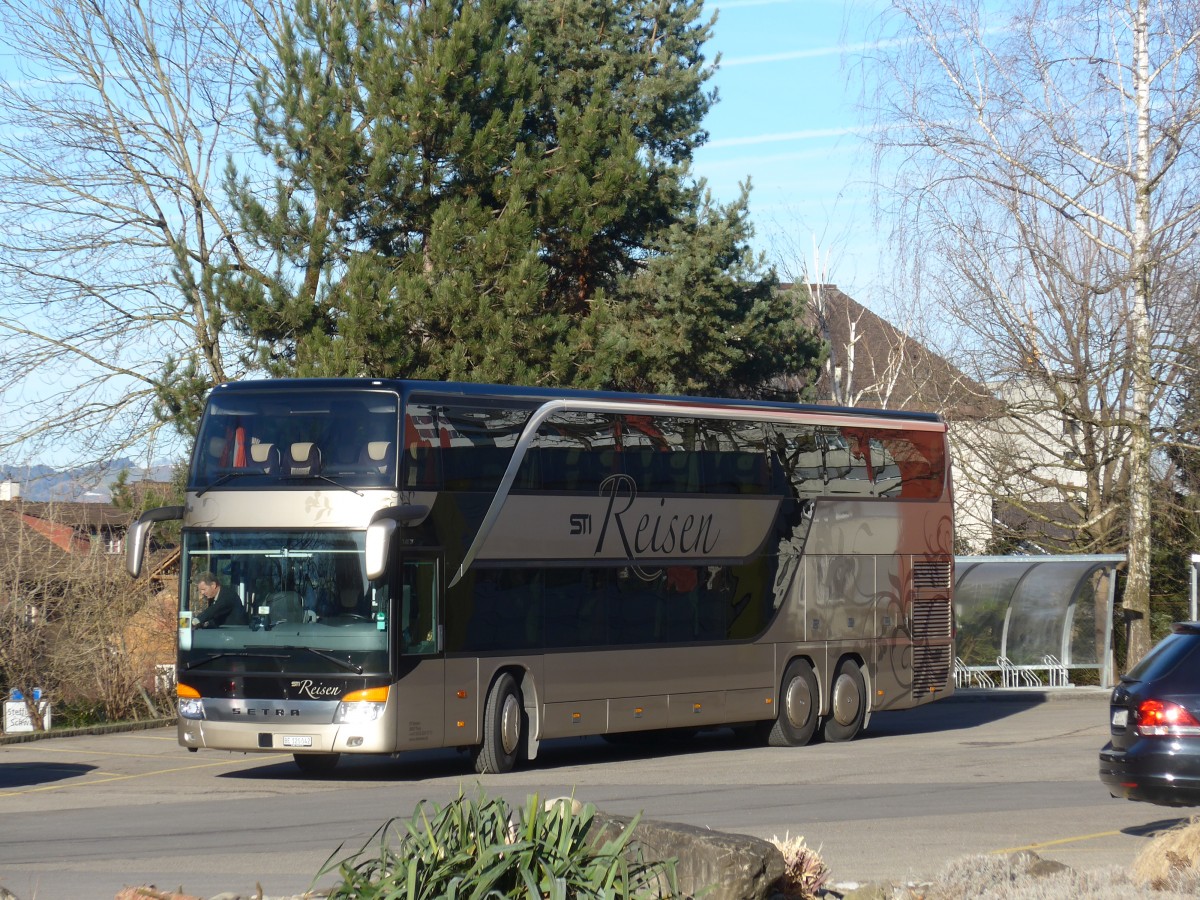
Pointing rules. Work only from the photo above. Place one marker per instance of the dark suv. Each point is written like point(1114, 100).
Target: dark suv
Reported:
point(1154, 720)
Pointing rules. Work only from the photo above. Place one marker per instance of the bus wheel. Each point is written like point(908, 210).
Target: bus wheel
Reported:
point(503, 720)
point(316, 763)
point(799, 705)
point(848, 703)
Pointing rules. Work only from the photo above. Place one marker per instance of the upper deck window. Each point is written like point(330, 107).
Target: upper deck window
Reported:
point(871, 462)
point(287, 437)
point(468, 445)
point(460, 447)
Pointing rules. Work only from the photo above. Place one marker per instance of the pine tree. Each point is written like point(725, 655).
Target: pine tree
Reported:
point(501, 190)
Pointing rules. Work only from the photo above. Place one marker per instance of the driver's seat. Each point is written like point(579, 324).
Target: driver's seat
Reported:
point(349, 599)
point(286, 606)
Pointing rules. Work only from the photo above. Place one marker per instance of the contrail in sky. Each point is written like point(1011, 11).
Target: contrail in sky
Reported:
point(813, 52)
point(808, 134)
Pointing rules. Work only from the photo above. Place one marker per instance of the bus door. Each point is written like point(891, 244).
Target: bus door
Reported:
point(420, 674)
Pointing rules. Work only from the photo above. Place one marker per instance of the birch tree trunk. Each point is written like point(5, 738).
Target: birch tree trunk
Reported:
point(1045, 190)
point(1137, 585)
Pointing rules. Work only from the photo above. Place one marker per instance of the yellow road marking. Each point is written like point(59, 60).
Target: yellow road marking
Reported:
point(69, 751)
point(1070, 840)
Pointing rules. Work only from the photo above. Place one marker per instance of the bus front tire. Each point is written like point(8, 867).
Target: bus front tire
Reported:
point(503, 728)
point(799, 707)
point(316, 763)
point(847, 703)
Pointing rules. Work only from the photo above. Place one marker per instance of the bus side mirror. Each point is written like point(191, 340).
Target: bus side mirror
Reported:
point(139, 531)
point(379, 534)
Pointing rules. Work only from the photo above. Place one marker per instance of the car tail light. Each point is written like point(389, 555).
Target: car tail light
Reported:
point(1156, 718)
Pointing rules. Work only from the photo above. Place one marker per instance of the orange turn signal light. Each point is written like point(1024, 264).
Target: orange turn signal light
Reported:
point(370, 695)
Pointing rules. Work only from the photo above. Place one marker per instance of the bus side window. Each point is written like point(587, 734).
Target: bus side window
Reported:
point(418, 608)
point(421, 448)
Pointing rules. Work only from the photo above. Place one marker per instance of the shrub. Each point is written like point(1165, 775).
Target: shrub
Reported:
point(1171, 856)
point(804, 872)
point(1026, 876)
point(477, 848)
point(65, 626)
point(78, 713)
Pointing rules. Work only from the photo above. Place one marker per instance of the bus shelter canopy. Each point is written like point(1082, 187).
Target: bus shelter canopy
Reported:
point(1020, 616)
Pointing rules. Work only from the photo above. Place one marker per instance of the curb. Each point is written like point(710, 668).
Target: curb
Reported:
point(1090, 694)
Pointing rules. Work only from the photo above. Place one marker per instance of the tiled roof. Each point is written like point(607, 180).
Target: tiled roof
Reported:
point(78, 515)
point(42, 534)
point(23, 547)
point(887, 367)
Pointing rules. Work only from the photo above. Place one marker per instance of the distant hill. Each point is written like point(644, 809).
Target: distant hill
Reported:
point(87, 484)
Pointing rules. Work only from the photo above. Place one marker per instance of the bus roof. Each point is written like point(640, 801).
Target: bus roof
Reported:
point(462, 389)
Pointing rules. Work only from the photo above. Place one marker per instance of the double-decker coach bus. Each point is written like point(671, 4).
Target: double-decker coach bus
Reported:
point(403, 565)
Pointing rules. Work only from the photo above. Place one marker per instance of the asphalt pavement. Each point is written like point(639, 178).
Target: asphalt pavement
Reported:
point(84, 815)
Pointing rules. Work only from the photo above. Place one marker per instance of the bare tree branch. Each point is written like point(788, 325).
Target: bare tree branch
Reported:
point(114, 226)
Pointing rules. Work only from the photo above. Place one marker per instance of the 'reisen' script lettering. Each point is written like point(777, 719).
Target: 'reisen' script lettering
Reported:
point(617, 487)
point(315, 690)
point(660, 534)
point(688, 535)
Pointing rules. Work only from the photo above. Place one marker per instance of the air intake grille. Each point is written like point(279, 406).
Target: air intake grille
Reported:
point(931, 669)
point(931, 620)
point(931, 574)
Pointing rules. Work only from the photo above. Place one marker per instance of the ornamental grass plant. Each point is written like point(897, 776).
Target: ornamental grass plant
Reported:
point(804, 872)
point(478, 848)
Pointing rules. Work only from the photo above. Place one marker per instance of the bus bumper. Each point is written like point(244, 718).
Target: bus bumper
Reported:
point(243, 737)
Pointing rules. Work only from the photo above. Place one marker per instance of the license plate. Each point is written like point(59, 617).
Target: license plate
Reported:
point(297, 740)
point(1120, 718)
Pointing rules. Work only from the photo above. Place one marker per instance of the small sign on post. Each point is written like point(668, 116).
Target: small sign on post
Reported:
point(16, 712)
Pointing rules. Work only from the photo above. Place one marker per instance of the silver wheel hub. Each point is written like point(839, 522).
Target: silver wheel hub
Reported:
point(798, 702)
point(846, 700)
point(510, 724)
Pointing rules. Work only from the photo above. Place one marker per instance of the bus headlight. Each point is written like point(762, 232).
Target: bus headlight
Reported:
point(356, 713)
point(361, 706)
point(191, 706)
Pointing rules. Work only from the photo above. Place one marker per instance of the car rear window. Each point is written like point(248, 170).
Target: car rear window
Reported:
point(1165, 656)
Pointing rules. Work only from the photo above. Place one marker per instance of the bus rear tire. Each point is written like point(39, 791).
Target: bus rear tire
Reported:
point(503, 728)
point(799, 707)
point(316, 763)
point(847, 703)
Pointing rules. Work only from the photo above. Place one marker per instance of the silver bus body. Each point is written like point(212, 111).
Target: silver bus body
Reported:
point(596, 564)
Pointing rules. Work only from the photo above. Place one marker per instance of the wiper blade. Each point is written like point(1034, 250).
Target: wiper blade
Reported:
point(215, 656)
point(336, 660)
point(333, 481)
point(227, 477)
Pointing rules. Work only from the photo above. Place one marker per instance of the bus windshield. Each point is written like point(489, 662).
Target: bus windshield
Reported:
point(271, 591)
point(277, 438)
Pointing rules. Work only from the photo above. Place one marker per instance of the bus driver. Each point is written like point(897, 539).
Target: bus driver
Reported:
point(224, 605)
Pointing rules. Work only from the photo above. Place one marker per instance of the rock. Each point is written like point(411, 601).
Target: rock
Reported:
point(1029, 863)
point(150, 892)
point(868, 891)
point(722, 866)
